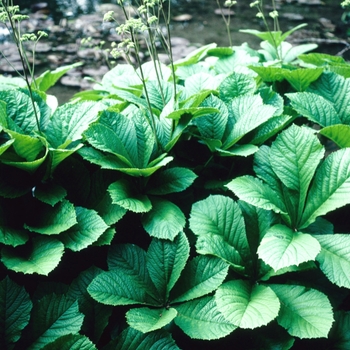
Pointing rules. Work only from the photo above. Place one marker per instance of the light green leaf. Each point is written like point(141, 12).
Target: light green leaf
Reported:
point(305, 312)
point(53, 220)
point(165, 220)
point(15, 307)
point(71, 342)
point(314, 107)
point(219, 225)
point(257, 193)
point(294, 157)
point(200, 81)
point(88, 229)
point(44, 255)
point(52, 317)
point(201, 319)
point(238, 58)
point(334, 258)
point(147, 320)
point(301, 78)
point(247, 306)
point(201, 276)
point(330, 187)
point(125, 195)
point(170, 180)
point(339, 133)
point(131, 339)
point(6, 145)
point(165, 262)
point(236, 84)
point(282, 247)
point(238, 151)
point(59, 155)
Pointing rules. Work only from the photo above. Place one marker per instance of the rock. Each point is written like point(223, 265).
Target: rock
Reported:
point(292, 16)
point(327, 24)
point(182, 18)
point(224, 12)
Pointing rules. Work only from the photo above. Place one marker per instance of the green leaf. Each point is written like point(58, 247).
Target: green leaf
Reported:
point(50, 193)
point(147, 320)
point(13, 237)
point(170, 180)
point(201, 319)
point(339, 134)
point(201, 276)
point(247, 306)
point(249, 112)
point(339, 335)
point(125, 195)
point(314, 107)
point(49, 78)
point(165, 262)
point(236, 84)
point(330, 187)
point(88, 229)
point(301, 78)
point(334, 258)
point(257, 193)
point(305, 312)
point(238, 59)
point(54, 220)
point(69, 121)
point(110, 213)
point(165, 220)
point(294, 157)
point(71, 342)
point(54, 316)
point(282, 247)
point(42, 258)
point(15, 307)
point(131, 339)
point(219, 225)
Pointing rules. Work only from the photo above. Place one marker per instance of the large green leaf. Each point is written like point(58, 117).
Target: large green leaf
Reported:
point(305, 312)
point(301, 78)
point(201, 276)
point(165, 219)
point(339, 336)
point(247, 306)
point(52, 317)
point(257, 193)
point(69, 121)
point(71, 342)
point(339, 133)
point(165, 262)
point(219, 225)
point(88, 229)
point(53, 220)
point(201, 81)
point(282, 247)
point(131, 339)
point(249, 112)
point(334, 258)
point(201, 319)
point(170, 180)
point(314, 107)
point(13, 237)
point(330, 188)
point(42, 257)
point(15, 307)
point(50, 193)
point(294, 157)
point(148, 320)
point(124, 194)
point(335, 89)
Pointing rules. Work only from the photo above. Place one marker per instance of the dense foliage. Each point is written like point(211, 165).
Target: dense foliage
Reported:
point(194, 210)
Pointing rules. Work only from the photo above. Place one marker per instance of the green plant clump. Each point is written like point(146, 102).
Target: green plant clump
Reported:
point(200, 204)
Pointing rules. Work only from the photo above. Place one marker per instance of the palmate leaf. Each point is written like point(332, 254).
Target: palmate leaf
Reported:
point(88, 229)
point(165, 220)
point(52, 317)
point(219, 225)
point(339, 134)
point(247, 306)
point(294, 157)
point(330, 188)
point(42, 257)
point(71, 342)
point(201, 276)
point(305, 312)
point(165, 262)
point(131, 339)
point(334, 258)
point(282, 247)
point(15, 308)
point(314, 107)
point(201, 319)
point(147, 320)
